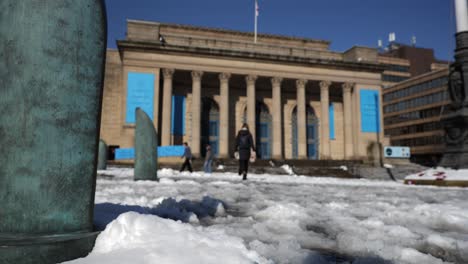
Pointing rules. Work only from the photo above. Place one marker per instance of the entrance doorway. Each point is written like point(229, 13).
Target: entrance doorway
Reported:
point(210, 126)
point(311, 133)
point(263, 132)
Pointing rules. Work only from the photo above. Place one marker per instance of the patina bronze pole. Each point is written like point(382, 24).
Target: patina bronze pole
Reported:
point(146, 145)
point(52, 57)
point(102, 155)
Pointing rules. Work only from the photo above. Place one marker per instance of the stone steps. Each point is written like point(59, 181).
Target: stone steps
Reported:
point(299, 167)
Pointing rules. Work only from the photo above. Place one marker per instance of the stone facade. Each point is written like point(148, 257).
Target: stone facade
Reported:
point(285, 89)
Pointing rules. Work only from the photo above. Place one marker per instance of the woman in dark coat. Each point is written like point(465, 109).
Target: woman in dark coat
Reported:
point(244, 143)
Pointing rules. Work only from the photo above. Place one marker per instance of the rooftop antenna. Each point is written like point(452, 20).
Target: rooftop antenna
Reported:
point(413, 41)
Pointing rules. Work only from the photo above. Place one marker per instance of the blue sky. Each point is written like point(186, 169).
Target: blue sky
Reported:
point(343, 22)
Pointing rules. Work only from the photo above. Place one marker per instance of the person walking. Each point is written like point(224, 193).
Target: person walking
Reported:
point(208, 159)
point(188, 158)
point(244, 145)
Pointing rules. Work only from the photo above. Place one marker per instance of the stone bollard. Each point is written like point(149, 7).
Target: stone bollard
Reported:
point(102, 155)
point(146, 144)
point(52, 57)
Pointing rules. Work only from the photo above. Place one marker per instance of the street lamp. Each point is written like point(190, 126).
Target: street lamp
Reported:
point(455, 119)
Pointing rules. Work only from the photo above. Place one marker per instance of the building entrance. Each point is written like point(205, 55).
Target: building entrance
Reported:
point(263, 132)
point(311, 133)
point(210, 126)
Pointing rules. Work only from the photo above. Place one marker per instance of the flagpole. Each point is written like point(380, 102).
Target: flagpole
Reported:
point(256, 15)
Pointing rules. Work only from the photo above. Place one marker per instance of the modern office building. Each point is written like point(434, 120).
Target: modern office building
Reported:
point(412, 113)
point(199, 85)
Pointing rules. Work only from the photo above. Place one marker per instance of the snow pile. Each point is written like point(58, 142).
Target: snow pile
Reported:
point(145, 239)
point(440, 174)
point(291, 219)
point(288, 169)
point(388, 166)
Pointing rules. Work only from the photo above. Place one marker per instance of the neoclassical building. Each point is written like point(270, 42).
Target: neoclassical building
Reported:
point(199, 85)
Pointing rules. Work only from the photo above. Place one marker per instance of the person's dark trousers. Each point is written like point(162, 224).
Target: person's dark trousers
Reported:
point(243, 168)
point(186, 164)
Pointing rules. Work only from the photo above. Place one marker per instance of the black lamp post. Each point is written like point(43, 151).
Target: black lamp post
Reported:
point(455, 119)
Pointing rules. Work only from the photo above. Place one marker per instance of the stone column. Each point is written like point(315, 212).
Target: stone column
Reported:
point(196, 112)
point(250, 79)
point(301, 120)
point(224, 115)
point(277, 140)
point(348, 122)
point(325, 118)
point(167, 107)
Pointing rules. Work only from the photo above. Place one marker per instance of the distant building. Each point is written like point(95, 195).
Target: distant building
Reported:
point(301, 100)
point(412, 113)
point(404, 61)
point(396, 70)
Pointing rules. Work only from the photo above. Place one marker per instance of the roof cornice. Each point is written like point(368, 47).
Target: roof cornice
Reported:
point(124, 45)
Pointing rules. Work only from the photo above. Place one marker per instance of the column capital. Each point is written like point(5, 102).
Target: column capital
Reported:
point(276, 81)
point(324, 85)
point(196, 75)
point(224, 76)
point(167, 73)
point(250, 79)
point(301, 82)
point(348, 87)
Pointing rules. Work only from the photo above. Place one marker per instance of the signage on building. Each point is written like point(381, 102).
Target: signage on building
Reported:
point(397, 152)
point(140, 93)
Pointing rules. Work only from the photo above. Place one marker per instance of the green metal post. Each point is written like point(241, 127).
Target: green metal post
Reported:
point(52, 57)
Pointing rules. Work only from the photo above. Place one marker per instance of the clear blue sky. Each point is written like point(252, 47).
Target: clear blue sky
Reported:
point(343, 22)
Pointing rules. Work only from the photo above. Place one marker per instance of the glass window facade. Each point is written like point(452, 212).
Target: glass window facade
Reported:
point(432, 126)
point(416, 102)
point(397, 68)
point(393, 78)
point(422, 87)
point(417, 142)
point(414, 115)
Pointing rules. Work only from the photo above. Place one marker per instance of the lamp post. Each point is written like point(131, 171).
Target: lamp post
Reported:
point(455, 119)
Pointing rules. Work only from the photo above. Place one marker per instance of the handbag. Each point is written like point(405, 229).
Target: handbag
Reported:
point(253, 156)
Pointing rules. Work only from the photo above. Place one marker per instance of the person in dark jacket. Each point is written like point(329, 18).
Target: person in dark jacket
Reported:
point(188, 158)
point(244, 144)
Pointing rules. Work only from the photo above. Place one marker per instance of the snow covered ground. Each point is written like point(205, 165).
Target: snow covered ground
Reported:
point(218, 218)
point(440, 174)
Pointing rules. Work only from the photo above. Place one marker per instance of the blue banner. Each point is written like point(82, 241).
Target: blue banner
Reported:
point(170, 151)
point(370, 114)
point(140, 93)
point(332, 121)
point(178, 115)
point(124, 153)
point(164, 151)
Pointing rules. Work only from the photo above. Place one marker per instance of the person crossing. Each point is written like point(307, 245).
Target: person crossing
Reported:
point(244, 146)
point(187, 158)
